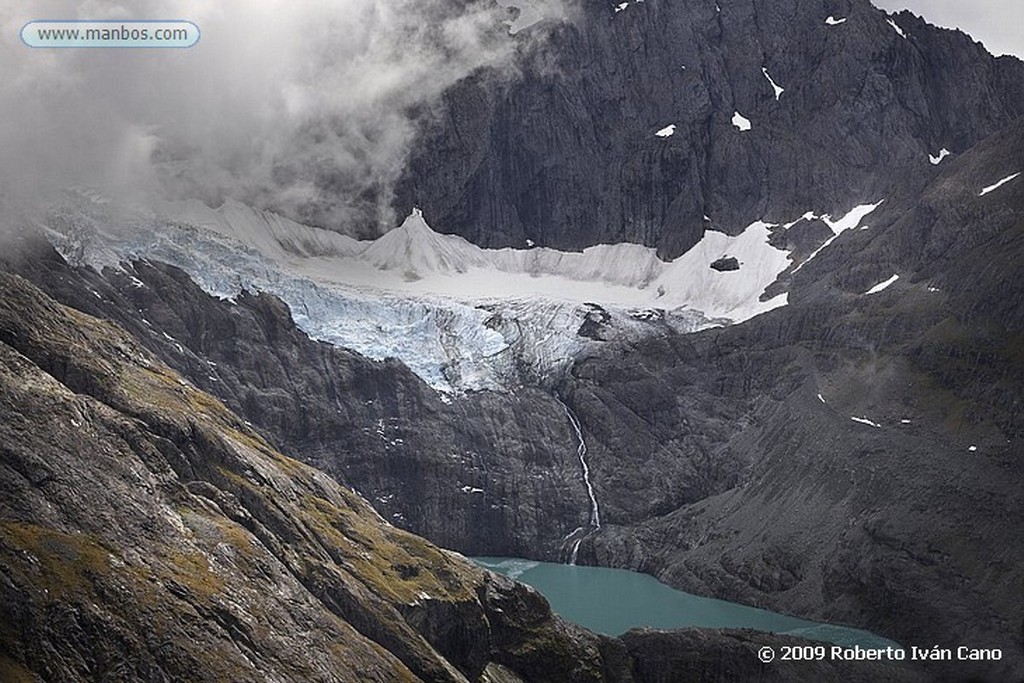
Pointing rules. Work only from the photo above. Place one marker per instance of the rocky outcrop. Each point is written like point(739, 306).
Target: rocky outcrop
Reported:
point(485, 473)
point(878, 435)
point(566, 154)
point(146, 533)
point(726, 264)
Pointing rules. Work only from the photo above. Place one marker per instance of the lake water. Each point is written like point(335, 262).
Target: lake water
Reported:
point(612, 601)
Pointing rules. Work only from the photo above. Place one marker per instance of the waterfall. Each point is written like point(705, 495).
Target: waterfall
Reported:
point(581, 451)
point(580, 533)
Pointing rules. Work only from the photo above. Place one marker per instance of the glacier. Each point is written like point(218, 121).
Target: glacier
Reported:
point(461, 317)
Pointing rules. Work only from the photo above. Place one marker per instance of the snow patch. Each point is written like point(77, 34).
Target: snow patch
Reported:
point(775, 86)
point(973, 449)
point(896, 28)
point(883, 285)
point(865, 421)
point(667, 131)
point(992, 188)
point(741, 122)
point(821, 398)
point(937, 159)
point(530, 12)
point(847, 222)
point(832, 21)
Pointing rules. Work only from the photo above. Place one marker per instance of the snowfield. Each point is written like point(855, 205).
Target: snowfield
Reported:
point(461, 317)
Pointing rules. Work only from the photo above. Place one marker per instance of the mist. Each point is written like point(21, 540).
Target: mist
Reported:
point(304, 108)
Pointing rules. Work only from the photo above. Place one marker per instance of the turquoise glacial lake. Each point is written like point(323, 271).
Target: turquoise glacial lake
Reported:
point(612, 601)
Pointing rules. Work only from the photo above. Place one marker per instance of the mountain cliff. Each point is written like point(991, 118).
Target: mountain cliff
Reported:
point(850, 452)
point(147, 533)
point(766, 109)
point(850, 457)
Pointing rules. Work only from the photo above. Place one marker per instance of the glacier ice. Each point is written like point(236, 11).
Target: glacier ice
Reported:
point(461, 317)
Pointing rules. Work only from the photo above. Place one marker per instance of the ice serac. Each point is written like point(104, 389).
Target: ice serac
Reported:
point(415, 250)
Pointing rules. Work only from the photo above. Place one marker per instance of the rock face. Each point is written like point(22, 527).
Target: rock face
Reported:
point(877, 437)
point(147, 533)
point(487, 474)
point(569, 154)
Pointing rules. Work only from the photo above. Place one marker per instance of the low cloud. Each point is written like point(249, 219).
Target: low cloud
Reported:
point(302, 107)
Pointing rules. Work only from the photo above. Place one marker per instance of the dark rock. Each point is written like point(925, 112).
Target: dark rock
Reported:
point(725, 264)
point(260, 566)
point(565, 153)
point(594, 323)
point(733, 655)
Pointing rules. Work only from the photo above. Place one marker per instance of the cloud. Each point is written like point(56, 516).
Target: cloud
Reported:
point(303, 107)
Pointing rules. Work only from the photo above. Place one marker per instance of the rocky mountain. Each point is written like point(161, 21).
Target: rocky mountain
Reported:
point(876, 431)
point(850, 457)
point(147, 533)
point(811, 402)
point(634, 122)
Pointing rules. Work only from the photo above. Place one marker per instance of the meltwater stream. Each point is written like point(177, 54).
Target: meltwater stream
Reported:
point(612, 601)
point(577, 536)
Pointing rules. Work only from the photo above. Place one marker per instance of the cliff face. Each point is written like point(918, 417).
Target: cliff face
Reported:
point(880, 433)
point(851, 457)
point(147, 533)
point(568, 154)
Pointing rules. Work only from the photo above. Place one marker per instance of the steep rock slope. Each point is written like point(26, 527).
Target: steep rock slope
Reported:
point(652, 123)
point(486, 473)
point(146, 533)
point(879, 420)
